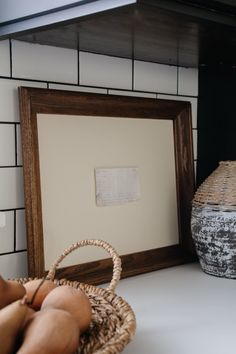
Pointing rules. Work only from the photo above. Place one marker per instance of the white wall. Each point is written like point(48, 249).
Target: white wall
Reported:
point(23, 64)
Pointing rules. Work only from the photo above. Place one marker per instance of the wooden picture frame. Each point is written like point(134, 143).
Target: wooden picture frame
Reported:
point(35, 101)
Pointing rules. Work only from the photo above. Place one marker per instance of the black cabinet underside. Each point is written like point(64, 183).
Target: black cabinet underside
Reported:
point(185, 33)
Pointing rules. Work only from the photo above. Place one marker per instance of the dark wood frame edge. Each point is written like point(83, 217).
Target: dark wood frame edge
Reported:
point(36, 100)
point(99, 272)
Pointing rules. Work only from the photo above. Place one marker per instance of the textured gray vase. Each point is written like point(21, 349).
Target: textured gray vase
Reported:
point(214, 235)
point(213, 222)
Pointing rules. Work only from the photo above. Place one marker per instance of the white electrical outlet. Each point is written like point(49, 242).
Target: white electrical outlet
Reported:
point(2, 219)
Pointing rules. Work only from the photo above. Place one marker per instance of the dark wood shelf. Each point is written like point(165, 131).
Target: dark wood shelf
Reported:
point(185, 33)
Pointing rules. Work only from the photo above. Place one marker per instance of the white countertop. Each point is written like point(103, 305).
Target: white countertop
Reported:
point(181, 310)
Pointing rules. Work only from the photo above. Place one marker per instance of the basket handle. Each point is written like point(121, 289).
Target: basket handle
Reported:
point(91, 242)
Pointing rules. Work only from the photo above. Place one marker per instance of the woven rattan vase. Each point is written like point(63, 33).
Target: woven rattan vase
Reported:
point(213, 221)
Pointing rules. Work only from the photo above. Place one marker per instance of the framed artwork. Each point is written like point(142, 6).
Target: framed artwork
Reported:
point(108, 167)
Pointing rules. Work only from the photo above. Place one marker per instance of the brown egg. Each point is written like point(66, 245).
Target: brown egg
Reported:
point(75, 301)
point(45, 288)
point(12, 320)
point(10, 291)
point(50, 331)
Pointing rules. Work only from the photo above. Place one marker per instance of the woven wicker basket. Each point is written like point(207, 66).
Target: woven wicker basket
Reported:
point(213, 221)
point(113, 320)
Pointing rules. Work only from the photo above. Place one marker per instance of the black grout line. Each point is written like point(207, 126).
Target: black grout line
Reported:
point(15, 166)
point(127, 90)
point(14, 234)
point(8, 253)
point(78, 60)
point(15, 78)
point(16, 144)
point(3, 122)
point(10, 50)
point(12, 209)
point(93, 87)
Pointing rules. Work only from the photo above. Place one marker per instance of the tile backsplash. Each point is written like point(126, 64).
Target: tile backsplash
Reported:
point(44, 63)
point(24, 64)
point(188, 82)
point(11, 188)
point(5, 64)
point(9, 107)
point(7, 145)
point(155, 77)
point(105, 71)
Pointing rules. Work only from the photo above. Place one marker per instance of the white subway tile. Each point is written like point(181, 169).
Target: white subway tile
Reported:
point(7, 233)
point(192, 100)
point(4, 58)
point(188, 81)
point(14, 265)
point(77, 88)
point(7, 145)
point(155, 77)
point(21, 243)
point(195, 144)
point(132, 93)
point(105, 71)
point(11, 188)
point(41, 62)
point(9, 100)
point(194, 105)
point(18, 145)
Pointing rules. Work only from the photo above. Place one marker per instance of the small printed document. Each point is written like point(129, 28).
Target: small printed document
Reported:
point(117, 186)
